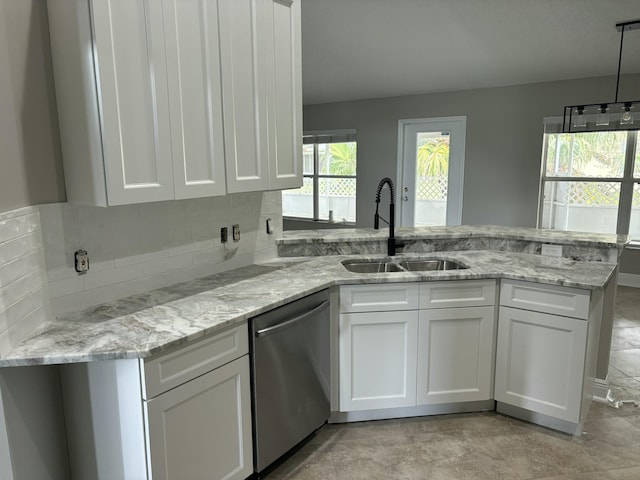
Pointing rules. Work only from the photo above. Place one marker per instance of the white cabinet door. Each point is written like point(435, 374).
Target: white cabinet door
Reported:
point(280, 28)
point(133, 103)
point(540, 362)
point(244, 97)
point(193, 67)
point(202, 429)
point(378, 352)
point(455, 355)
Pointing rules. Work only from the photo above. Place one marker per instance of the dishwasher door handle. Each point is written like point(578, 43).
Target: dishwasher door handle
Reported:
point(288, 323)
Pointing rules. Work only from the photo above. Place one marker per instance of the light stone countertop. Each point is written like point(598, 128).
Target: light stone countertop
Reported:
point(146, 324)
point(340, 235)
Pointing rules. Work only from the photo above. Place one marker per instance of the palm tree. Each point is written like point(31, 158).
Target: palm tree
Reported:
point(342, 158)
point(433, 157)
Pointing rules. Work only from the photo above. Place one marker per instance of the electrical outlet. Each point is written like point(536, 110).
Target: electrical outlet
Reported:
point(82, 261)
point(551, 250)
point(224, 235)
point(236, 233)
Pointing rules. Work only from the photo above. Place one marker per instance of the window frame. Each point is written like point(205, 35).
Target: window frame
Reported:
point(627, 180)
point(325, 137)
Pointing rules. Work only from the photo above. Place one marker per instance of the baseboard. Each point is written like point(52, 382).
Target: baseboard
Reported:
point(540, 419)
point(417, 411)
point(629, 280)
point(600, 390)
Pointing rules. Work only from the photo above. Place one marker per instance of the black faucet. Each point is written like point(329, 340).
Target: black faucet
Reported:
point(391, 243)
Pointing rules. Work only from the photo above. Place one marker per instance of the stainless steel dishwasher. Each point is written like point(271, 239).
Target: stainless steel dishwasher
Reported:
point(290, 375)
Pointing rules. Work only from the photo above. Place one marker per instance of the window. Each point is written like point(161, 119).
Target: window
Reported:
point(328, 191)
point(591, 182)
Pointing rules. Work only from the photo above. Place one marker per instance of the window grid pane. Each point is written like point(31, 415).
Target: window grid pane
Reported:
point(581, 206)
point(337, 158)
point(298, 202)
point(593, 154)
point(636, 168)
point(634, 225)
point(338, 195)
point(307, 159)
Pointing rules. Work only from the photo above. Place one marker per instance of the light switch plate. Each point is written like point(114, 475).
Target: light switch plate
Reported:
point(551, 250)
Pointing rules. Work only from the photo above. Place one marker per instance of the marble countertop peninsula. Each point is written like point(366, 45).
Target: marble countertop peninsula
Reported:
point(456, 232)
point(144, 325)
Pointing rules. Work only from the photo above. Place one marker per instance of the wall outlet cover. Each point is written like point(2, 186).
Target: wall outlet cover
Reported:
point(551, 250)
point(81, 261)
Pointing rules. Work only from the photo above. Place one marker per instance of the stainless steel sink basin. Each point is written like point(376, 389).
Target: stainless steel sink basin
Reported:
point(371, 266)
point(430, 265)
point(383, 266)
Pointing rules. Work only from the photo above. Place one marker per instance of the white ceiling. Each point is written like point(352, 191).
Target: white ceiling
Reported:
point(356, 49)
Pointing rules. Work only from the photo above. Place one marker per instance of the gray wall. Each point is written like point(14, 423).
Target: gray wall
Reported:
point(30, 159)
point(503, 145)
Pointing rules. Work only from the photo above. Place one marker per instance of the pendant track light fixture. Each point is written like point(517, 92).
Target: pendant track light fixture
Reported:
point(605, 116)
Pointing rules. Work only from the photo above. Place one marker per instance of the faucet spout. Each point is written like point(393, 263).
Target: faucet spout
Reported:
point(391, 243)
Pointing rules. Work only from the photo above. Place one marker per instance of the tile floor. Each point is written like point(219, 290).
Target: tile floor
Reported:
point(489, 445)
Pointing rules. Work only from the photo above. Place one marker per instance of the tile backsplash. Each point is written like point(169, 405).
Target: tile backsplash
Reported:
point(135, 248)
point(24, 299)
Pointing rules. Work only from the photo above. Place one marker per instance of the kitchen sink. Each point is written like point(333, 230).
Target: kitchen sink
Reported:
point(371, 266)
point(384, 266)
point(430, 265)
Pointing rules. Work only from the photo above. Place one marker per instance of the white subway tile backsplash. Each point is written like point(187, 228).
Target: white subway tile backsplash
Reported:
point(155, 267)
point(110, 277)
point(24, 297)
point(137, 248)
point(17, 268)
point(150, 256)
point(13, 227)
point(16, 313)
point(66, 286)
point(15, 291)
point(20, 246)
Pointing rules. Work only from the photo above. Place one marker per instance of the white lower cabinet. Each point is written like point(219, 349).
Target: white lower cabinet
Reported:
point(455, 355)
point(540, 362)
point(185, 414)
point(202, 429)
point(396, 349)
point(378, 360)
point(546, 353)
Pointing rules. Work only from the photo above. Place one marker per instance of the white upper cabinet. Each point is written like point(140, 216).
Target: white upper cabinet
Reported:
point(128, 50)
point(172, 99)
point(193, 68)
point(262, 93)
point(284, 93)
point(244, 97)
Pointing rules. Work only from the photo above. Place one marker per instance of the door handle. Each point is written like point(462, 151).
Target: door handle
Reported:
point(288, 323)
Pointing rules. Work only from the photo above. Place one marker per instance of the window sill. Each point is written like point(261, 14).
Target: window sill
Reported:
point(315, 222)
point(633, 245)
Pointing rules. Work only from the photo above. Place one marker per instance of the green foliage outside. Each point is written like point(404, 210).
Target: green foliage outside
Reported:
point(593, 154)
point(341, 159)
point(433, 157)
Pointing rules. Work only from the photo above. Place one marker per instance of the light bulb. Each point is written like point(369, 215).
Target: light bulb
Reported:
point(602, 118)
point(579, 118)
point(627, 115)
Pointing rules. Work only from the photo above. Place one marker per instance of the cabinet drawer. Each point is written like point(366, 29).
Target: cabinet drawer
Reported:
point(172, 369)
point(379, 298)
point(569, 302)
point(472, 293)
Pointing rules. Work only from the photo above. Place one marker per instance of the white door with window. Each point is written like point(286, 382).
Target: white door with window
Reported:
point(431, 170)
